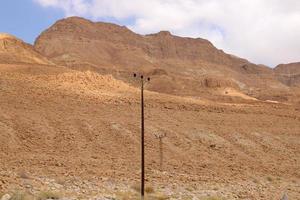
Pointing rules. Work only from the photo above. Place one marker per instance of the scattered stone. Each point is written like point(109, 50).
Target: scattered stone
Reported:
point(285, 197)
point(6, 197)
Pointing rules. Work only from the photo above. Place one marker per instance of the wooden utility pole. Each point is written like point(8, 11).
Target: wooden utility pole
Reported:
point(160, 137)
point(143, 81)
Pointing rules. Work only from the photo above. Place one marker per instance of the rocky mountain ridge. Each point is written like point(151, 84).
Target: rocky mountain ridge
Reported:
point(177, 65)
point(180, 66)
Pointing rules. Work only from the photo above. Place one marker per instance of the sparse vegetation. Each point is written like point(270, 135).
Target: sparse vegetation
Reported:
point(160, 197)
point(149, 189)
point(188, 197)
point(126, 195)
point(47, 195)
point(136, 187)
point(212, 198)
point(18, 195)
point(269, 178)
point(190, 189)
point(150, 194)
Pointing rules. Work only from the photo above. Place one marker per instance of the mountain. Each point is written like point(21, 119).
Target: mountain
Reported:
point(177, 65)
point(289, 74)
point(14, 50)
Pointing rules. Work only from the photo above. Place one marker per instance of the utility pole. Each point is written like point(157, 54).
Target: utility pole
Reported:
point(143, 81)
point(160, 137)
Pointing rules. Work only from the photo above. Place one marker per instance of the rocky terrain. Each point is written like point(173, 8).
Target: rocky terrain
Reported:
point(70, 129)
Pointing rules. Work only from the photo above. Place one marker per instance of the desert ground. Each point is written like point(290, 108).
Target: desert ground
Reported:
point(78, 134)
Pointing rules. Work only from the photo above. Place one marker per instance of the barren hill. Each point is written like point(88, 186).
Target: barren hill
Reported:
point(14, 50)
point(181, 66)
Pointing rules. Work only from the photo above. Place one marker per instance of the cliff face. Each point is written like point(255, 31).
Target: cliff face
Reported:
point(189, 66)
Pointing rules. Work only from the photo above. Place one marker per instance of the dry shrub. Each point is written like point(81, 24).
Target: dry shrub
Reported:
point(47, 195)
point(136, 187)
point(20, 196)
point(213, 198)
point(269, 178)
point(148, 189)
point(127, 196)
point(159, 197)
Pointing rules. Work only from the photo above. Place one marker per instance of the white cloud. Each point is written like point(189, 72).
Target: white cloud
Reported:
point(264, 31)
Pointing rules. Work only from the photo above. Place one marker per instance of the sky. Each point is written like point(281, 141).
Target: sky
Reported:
point(262, 31)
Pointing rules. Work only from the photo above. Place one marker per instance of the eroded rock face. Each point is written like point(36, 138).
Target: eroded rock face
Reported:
point(184, 63)
point(289, 74)
point(115, 44)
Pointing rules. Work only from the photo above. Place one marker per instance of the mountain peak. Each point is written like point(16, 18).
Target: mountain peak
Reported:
point(75, 19)
point(164, 33)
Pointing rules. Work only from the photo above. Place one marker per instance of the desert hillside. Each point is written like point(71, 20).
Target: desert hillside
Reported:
point(82, 126)
point(70, 118)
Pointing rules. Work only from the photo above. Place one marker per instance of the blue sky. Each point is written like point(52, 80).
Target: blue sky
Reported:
point(26, 19)
point(264, 32)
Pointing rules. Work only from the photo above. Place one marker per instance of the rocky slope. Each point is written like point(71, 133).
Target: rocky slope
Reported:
point(181, 66)
point(78, 133)
point(14, 50)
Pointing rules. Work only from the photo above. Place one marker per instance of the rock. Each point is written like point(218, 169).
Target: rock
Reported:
point(285, 197)
point(6, 197)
